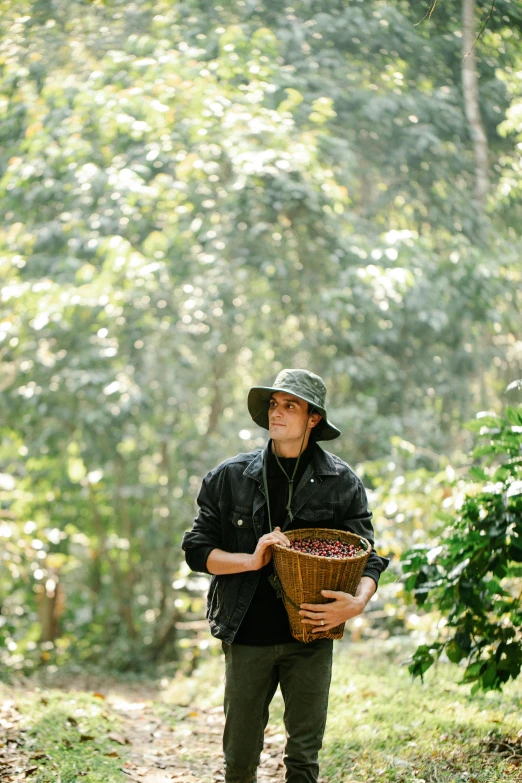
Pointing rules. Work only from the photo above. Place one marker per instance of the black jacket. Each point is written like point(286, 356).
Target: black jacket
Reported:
point(231, 517)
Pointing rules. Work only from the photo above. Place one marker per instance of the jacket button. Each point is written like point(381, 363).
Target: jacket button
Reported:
point(311, 481)
point(239, 521)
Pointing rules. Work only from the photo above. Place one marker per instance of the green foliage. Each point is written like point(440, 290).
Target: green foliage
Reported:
point(196, 196)
point(474, 575)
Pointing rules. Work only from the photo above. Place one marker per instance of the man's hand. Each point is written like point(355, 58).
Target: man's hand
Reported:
point(343, 607)
point(221, 562)
point(263, 551)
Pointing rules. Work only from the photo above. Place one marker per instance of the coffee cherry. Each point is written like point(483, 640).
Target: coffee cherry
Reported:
point(324, 548)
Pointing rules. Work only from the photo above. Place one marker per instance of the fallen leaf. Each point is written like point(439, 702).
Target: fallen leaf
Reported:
point(98, 695)
point(118, 738)
point(71, 720)
point(30, 770)
point(112, 755)
point(86, 737)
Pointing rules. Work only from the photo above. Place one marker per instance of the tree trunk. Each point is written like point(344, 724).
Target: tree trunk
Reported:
point(166, 637)
point(471, 104)
point(50, 601)
point(165, 567)
point(219, 366)
point(128, 576)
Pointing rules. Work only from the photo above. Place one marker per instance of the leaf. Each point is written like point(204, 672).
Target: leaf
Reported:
point(98, 695)
point(484, 449)
point(86, 737)
point(473, 671)
point(489, 416)
point(118, 738)
point(444, 516)
point(478, 473)
point(514, 415)
point(485, 421)
point(454, 652)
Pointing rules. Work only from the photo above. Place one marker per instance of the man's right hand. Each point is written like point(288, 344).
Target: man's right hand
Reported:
point(220, 562)
point(263, 551)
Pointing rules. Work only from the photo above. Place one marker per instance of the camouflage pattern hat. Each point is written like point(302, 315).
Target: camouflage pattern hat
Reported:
point(303, 384)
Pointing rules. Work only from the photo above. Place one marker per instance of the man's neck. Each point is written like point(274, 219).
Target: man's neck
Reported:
point(289, 449)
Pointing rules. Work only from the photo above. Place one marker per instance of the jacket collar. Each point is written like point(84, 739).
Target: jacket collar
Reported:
point(322, 463)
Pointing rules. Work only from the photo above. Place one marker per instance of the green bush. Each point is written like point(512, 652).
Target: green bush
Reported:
point(474, 575)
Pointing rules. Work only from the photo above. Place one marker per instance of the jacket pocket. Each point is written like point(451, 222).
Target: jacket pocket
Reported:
point(242, 527)
point(241, 519)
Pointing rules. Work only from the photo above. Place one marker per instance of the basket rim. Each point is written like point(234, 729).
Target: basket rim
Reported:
point(292, 552)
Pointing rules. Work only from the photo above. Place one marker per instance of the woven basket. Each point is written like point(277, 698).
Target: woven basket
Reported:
point(303, 576)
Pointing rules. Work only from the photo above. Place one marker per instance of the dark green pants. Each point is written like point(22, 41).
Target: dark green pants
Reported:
point(252, 675)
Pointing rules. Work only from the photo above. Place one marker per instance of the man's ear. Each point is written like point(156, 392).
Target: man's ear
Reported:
point(314, 419)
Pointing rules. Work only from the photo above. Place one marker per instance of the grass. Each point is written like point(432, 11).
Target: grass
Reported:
point(65, 735)
point(385, 727)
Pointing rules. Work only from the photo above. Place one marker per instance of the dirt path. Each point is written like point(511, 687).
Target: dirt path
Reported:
point(13, 761)
point(187, 749)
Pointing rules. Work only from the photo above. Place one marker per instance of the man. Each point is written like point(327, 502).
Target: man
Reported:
point(245, 506)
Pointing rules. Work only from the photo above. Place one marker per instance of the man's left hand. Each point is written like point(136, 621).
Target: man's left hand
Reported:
point(326, 616)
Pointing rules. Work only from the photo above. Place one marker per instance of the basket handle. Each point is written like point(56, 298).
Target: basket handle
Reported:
point(278, 587)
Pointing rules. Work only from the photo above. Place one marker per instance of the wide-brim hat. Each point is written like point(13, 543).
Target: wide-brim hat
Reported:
point(303, 384)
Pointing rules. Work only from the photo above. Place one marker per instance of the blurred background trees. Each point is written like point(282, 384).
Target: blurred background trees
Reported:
point(195, 196)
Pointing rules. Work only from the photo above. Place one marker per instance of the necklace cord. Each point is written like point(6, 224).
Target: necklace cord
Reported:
point(289, 480)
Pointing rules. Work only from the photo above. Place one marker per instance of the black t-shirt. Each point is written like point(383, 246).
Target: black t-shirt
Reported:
point(266, 621)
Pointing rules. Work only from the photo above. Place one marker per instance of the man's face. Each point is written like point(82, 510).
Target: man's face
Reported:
point(288, 417)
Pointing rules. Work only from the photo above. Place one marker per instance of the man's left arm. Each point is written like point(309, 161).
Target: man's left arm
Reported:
point(343, 606)
point(358, 520)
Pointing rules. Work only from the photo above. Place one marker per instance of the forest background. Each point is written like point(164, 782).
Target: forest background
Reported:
point(194, 196)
